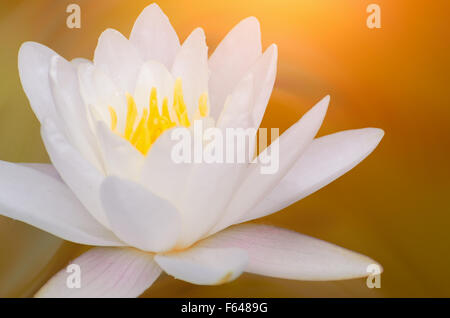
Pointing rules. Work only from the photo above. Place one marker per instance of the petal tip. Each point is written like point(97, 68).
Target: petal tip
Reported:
point(374, 135)
point(273, 49)
point(199, 32)
point(252, 20)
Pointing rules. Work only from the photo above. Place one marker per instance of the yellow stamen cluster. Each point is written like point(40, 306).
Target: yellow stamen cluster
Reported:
point(152, 123)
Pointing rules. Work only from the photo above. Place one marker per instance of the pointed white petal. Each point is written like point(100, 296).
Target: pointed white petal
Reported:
point(209, 188)
point(153, 74)
point(106, 273)
point(191, 65)
point(232, 59)
point(161, 174)
point(204, 266)
point(291, 145)
point(154, 36)
point(34, 63)
point(44, 201)
point(286, 254)
point(264, 71)
point(78, 173)
point(98, 92)
point(71, 108)
point(237, 111)
point(325, 160)
point(139, 217)
point(121, 158)
point(118, 58)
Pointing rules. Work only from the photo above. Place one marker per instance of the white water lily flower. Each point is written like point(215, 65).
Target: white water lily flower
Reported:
point(113, 185)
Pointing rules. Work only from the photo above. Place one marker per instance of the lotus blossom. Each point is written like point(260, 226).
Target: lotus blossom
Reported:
point(112, 184)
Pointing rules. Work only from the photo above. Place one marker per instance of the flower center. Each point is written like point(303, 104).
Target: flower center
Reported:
point(143, 132)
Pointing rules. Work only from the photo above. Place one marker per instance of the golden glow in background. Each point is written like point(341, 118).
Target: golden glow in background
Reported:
point(393, 207)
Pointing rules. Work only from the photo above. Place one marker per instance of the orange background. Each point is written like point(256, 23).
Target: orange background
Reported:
point(393, 207)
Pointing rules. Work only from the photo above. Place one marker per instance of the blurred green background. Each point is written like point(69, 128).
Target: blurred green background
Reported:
point(393, 207)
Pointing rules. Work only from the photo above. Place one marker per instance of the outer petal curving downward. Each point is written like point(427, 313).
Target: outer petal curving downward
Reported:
point(286, 254)
point(326, 159)
point(34, 194)
point(204, 266)
point(105, 272)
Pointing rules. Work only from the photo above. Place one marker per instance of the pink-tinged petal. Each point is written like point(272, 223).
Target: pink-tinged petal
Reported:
point(139, 217)
point(104, 272)
point(37, 197)
point(257, 185)
point(34, 64)
point(286, 254)
point(325, 160)
point(232, 59)
point(77, 172)
point(191, 65)
point(118, 58)
point(154, 36)
point(204, 266)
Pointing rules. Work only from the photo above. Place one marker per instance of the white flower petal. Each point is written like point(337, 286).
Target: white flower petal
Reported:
point(237, 111)
point(191, 65)
point(71, 109)
point(80, 60)
point(78, 173)
point(326, 159)
point(139, 217)
point(105, 272)
point(99, 91)
point(34, 63)
point(204, 266)
point(264, 71)
point(161, 174)
point(121, 158)
point(286, 254)
point(153, 74)
point(232, 59)
point(209, 188)
point(44, 168)
point(154, 36)
point(42, 200)
point(291, 145)
point(118, 58)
